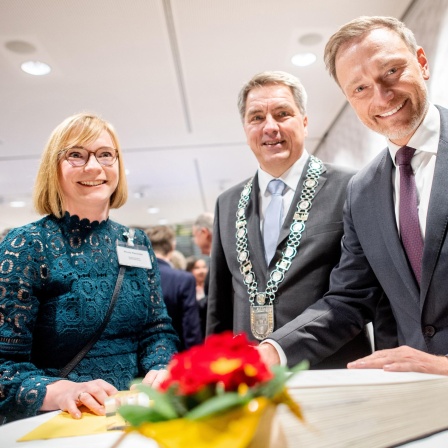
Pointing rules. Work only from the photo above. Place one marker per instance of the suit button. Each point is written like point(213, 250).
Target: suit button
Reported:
point(429, 331)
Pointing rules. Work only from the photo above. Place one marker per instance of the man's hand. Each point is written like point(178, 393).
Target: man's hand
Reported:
point(403, 359)
point(70, 396)
point(268, 354)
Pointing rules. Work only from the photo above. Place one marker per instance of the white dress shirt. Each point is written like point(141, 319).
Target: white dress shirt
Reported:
point(290, 177)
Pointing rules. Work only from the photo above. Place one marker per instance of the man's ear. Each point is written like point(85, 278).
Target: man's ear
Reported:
point(423, 62)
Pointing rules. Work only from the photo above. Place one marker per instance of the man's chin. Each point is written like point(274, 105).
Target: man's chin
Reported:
point(400, 135)
point(395, 132)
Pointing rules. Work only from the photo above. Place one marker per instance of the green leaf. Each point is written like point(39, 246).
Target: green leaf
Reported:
point(136, 415)
point(281, 376)
point(179, 402)
point(304, 365)
point(274, 386)
point(161, 402)
point(218, 404)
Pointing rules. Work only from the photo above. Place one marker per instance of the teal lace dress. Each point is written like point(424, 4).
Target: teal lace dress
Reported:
point(56, 281)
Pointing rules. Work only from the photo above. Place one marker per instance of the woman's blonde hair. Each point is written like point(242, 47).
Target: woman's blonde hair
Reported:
point(79, 129)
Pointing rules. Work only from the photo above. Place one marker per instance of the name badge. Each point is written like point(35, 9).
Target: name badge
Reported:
point(135, 256)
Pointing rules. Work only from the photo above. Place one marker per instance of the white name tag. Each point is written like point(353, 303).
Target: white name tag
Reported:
point(136, 256)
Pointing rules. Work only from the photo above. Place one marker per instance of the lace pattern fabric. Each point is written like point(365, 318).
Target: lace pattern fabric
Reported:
point(56, 281)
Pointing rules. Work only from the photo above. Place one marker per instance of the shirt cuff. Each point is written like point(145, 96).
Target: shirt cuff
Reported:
point(281, 353)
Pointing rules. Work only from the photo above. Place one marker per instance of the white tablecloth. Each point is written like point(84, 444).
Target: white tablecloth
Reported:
point(10, 432)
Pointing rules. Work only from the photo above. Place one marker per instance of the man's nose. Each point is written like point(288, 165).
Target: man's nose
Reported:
point(270, 124)
point(383, 93)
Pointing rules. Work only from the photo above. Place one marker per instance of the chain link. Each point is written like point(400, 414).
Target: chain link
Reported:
point(315, 168)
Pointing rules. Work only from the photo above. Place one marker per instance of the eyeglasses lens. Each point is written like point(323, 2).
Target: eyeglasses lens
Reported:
point(80, 156)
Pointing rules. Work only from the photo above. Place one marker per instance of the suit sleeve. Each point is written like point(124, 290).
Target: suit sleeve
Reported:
point(220, 299)
point(384, 326)
point(159, 341)
point(341, 314)
point(191, 326)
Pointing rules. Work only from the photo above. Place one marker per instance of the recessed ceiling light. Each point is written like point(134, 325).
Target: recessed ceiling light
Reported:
point(36, 68)
point(303, 59)
point(163, 222)
point(17, 204)
point(153, 210)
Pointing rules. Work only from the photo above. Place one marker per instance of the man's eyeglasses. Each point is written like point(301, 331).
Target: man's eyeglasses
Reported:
point(79, 156)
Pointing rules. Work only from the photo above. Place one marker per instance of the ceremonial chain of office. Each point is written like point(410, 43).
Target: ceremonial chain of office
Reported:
point(315, 168)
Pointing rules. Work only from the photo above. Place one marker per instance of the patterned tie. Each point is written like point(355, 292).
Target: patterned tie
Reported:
point(273, 219)
point(411, 236)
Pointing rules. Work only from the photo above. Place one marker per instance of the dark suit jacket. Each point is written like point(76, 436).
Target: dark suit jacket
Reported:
point(179, 294)
point(307, 279)
point(202, 303)
point(373, 262)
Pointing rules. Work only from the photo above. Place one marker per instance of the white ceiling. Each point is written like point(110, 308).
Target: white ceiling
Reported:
point(167, 74)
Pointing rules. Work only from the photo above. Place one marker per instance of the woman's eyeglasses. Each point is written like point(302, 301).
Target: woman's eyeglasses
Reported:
point(79, 156)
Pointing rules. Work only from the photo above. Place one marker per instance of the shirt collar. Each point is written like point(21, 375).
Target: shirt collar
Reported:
point(425, 138)
point(290, 177)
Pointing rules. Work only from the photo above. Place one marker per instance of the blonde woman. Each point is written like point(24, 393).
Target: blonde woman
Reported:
point(58, 277)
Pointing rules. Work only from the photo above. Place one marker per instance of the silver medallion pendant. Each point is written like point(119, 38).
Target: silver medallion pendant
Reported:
point(262, 321)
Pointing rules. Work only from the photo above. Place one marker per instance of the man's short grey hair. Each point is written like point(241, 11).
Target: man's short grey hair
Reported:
point(357, 28)
point(274, 78)
point(205, 220)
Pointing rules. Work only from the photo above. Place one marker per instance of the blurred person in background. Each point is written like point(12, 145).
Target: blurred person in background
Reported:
point(178, 287)
point(59, 275)
point(203, 232)
point(203, 237)
point(198, 267)
point(178, 260)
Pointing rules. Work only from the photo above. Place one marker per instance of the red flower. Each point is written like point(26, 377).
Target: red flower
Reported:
point(223, 358)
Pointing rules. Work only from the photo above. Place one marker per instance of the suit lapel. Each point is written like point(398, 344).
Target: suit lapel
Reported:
point(436, 222)
point(254, 237)
point(385, 215)
point(284, 231)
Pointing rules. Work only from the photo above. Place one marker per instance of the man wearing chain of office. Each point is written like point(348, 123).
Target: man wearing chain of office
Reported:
point(277, 235)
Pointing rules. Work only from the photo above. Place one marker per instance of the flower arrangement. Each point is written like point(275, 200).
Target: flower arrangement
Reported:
point(212, 390)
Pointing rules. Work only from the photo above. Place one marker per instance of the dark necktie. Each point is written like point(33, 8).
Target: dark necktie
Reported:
point(273, 219)
point(410, 232)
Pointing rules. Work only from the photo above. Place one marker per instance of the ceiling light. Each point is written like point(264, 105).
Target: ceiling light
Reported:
point(303, 59)
point(163, 222)
point(17, 204)
point(36, 68)
point(153, 210)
